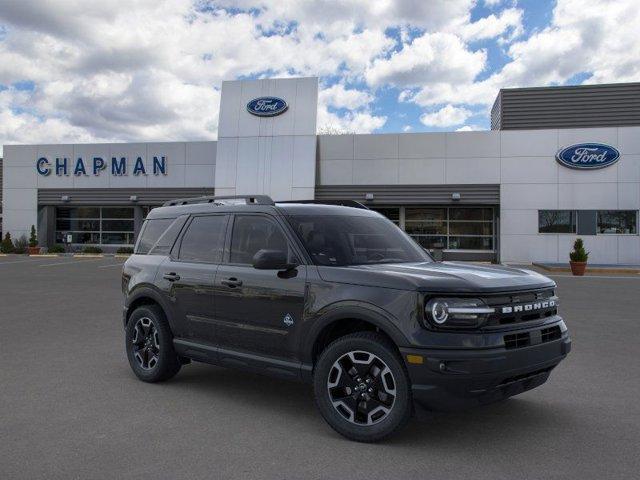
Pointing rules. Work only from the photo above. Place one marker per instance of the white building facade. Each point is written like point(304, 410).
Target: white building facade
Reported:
point(499, 195)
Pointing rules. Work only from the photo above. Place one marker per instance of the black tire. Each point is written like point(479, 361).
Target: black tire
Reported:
point(165, 363)
point(348, 419)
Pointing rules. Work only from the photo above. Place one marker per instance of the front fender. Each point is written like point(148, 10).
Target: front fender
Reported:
point(366, 312)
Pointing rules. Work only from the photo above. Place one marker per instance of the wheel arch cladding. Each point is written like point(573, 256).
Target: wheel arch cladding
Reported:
point(143, 298)
point(343, 322)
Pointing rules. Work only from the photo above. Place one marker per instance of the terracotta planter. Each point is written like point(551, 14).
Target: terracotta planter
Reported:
point(578, 268)
point(33, 250)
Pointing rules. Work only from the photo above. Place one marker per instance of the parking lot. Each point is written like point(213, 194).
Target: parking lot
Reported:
point(71, 408)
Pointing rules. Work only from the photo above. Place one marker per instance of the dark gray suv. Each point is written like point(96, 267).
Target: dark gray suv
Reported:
point(337, 296)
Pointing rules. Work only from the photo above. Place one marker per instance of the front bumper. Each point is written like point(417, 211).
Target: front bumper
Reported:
point(451, 379)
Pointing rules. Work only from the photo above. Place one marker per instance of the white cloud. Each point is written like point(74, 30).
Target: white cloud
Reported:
point(469, 128)
point(340, 97)
point(407, 128)
point(509, 22)
point(447, 116)
point(432, 57)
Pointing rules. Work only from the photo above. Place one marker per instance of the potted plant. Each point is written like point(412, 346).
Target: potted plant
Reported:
point(33, 249)
point(7, 244)
point(578, 257)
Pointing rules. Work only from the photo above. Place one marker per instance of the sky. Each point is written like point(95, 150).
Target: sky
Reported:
point(74, 71)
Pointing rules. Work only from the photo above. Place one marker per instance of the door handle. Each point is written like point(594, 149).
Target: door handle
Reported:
point(172, 276)
point(232, 282)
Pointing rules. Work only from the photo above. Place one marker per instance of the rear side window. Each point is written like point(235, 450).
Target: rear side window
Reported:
point(167, 239)
point(204, 239)
point(151, 232)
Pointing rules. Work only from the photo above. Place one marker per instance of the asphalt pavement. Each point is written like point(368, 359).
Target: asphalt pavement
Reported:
point(71, 408)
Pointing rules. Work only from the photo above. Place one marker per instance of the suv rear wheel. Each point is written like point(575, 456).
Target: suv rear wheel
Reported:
point(362, 388)
point(149, 345)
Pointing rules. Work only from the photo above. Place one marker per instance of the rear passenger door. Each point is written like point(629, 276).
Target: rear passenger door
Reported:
point(258, 311)
point(189, 274)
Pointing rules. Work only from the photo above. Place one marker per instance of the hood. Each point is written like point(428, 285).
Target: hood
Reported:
point(449, 277)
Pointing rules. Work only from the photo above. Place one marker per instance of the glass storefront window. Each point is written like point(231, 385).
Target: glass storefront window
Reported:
point(618, 221)
point(452, 228)
point(95, 225)
point(556, 221)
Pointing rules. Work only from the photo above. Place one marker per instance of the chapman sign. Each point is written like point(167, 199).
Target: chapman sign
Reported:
point(267, 106)
point(118, 166)
point(588, 156)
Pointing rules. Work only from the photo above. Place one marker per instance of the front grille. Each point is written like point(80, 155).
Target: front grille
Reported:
point(521, 307)
point(551, 333)
point(524, 339)
point(517, 340)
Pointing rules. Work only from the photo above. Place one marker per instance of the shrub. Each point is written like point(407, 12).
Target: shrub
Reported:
point(125, 250)
point(91, 249)
point(579, 254)
point(20, 245)
point(57, 248)
point(7, 245)
point(33, 238)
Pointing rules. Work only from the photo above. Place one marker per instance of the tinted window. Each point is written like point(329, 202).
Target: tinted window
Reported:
point(252, 233)
point(204, 239)
point(617, 221)
point(345, 240)
point(151, 233)
point(556, 221)
point(168, 238)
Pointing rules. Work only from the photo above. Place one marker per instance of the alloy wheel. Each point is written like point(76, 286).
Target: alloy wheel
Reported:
point(361, 388)
point(146, 344)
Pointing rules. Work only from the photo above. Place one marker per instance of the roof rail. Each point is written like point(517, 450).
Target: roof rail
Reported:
point(342, 203)
point(249, 199)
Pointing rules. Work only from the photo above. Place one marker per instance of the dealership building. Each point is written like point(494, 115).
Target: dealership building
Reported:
point(559, 162)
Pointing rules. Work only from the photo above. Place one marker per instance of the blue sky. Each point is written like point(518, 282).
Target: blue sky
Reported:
point(77, 71)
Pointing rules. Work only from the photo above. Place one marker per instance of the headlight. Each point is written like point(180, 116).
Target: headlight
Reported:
point(457, 312)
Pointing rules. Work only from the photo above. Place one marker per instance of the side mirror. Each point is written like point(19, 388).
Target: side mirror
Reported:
point(271, 260)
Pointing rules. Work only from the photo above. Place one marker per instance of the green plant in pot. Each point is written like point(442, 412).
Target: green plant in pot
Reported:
point(578, 257)
point(33, 249)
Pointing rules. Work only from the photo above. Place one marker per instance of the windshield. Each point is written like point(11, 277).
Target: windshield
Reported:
point(337, 240)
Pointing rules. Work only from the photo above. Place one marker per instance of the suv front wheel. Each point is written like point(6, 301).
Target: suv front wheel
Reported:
point(149, 345)
point(362, 388)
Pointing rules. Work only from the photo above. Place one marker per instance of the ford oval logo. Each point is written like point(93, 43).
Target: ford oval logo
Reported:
point(267, 106)
point(588, 156)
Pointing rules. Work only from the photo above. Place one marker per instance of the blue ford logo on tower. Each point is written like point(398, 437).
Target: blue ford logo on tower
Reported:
point(588, 156)
point(267, 106)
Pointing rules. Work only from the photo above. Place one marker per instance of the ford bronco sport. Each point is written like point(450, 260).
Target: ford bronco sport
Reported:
point(337, 296)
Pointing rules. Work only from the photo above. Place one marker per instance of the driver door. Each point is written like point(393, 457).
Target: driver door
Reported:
point(258, 311)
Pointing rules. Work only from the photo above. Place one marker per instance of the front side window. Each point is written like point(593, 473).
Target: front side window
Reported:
point(618, 221)
point(252, 233)
point(339, 240)
point(556, 221)
point(204, 239)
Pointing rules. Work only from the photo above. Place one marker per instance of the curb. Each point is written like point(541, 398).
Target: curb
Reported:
point(45, 255)
point(608, 271)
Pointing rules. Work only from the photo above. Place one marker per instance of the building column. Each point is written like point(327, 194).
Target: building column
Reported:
point(138, 218)
point(46, 226)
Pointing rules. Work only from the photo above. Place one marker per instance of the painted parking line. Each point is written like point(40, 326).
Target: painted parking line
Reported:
point(30, 260)
point(72, 262)
point(112, 265)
